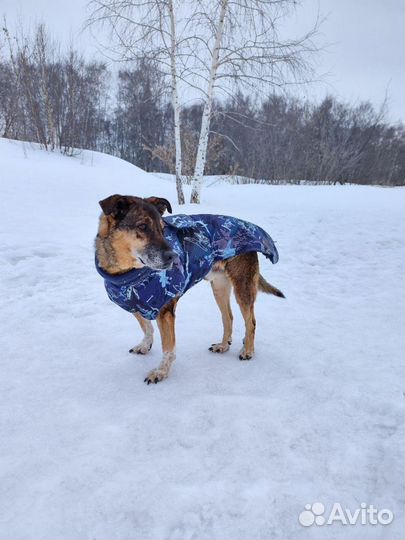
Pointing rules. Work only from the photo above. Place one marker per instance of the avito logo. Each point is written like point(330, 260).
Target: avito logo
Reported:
point(314, 514)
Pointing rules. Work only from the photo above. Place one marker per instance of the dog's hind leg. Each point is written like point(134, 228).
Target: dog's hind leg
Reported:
point(221, 287)
point(243, 271)
point(146, 344)
point(248, 349)
point(165, 321)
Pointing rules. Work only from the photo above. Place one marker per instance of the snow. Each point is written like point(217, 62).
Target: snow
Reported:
point(222, 449)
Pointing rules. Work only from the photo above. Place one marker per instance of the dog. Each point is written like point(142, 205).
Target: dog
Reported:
point(148, 262)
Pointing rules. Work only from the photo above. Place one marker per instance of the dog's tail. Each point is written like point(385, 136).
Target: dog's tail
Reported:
point(265, 287)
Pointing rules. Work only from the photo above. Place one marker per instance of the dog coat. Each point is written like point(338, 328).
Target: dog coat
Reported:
point(199, 242)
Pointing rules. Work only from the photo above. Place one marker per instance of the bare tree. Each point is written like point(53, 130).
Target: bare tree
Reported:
point(49, 98)
point(31, 58)
point(43, 58)
point(241, 44)
point(146, 29)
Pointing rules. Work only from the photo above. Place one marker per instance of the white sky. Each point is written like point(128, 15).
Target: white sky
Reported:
point(364, 58)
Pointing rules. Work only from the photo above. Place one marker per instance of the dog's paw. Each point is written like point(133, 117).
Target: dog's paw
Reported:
point(142, 348)
point(155, 376)
point(219, 347)
point(245, 355)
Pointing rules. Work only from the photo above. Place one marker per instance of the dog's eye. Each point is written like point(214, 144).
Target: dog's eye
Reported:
point(142, 227)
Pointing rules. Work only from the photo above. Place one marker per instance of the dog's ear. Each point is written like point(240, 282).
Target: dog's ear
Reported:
point(115, 205)
point(161, 204)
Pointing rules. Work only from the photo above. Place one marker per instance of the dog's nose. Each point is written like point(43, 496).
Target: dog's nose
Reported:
point(169, 256)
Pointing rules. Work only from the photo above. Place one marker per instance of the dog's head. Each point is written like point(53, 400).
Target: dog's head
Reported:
point(136, 225)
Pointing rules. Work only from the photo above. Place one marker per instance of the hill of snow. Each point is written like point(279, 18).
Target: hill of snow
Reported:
point(222, 449)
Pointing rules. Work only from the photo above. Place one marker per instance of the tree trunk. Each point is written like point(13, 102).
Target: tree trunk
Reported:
point(206, 116)
point(176, 107)
point(43, 62)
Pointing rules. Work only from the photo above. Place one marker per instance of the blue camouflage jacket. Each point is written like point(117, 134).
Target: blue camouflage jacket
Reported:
point(200, 241)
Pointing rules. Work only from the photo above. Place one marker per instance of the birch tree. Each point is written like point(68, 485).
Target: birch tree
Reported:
point(243, 46)
point(147, 29)
point(206, 115)
point(43, 58)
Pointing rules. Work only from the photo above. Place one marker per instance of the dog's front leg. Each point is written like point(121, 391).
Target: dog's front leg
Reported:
point(165, 321)
point(146, 344)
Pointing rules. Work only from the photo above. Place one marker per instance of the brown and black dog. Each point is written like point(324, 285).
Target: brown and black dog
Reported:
point(130, 235)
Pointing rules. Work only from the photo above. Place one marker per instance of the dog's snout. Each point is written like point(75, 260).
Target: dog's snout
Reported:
point(169, 256)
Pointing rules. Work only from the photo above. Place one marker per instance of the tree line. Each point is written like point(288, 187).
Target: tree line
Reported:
point(64, 102)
